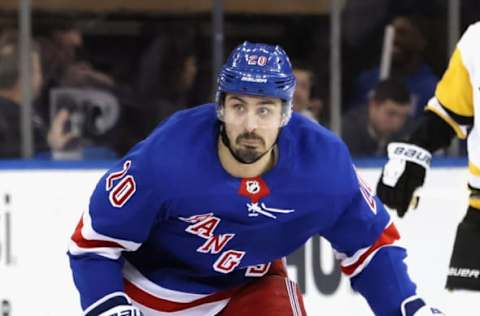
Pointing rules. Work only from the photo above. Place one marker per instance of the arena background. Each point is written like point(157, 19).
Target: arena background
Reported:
point(41, 198)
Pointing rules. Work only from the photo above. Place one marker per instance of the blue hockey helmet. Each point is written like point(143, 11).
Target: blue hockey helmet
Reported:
point(257, 69)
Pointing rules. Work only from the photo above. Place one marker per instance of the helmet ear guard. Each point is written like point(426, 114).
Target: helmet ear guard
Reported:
point(286, 112)
point(219, 101)
point(257, 69)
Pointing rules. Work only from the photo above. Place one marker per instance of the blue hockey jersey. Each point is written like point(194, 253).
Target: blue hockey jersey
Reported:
point(168, 226)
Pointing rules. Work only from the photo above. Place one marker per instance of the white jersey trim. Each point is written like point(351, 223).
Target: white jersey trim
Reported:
point(347, 261)
point(135, 277)
point(107, 252)
point(356, 258)
point(104, 299)
point(89, 233)
point(208, 309)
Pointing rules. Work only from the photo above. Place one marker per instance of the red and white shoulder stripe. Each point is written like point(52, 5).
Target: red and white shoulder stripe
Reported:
point(155, 300)
point(353, 265)
point(86, 240)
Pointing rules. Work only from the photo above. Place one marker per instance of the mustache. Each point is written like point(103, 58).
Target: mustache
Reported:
point(249, 136)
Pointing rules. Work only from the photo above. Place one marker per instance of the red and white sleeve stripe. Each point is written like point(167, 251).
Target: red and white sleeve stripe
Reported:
point(157, 300)
point(86, 240)
point(353, 265)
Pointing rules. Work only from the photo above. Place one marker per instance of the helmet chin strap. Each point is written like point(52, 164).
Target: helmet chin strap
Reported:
point(226, 142)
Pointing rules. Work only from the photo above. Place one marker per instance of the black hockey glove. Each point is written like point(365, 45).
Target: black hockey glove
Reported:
point(402, 175)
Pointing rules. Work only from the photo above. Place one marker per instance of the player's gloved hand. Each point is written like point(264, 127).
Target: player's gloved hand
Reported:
point(122, 310)
point(415, 306)
point(402, 175)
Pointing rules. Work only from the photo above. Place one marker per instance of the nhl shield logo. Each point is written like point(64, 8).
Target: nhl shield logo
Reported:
point(252, 186)
point(254, 189)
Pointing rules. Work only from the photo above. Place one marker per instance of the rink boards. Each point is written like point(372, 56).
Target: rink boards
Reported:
point(41, 204)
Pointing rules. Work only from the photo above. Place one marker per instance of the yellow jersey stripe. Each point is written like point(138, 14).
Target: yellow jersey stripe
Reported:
point(474, 203)
point(454, 90)
point(473, 169)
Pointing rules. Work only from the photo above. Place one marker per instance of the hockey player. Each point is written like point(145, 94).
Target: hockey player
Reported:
point(195, 220)
point(450, 112)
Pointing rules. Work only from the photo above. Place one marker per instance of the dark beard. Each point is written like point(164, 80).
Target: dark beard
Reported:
point(245, 156)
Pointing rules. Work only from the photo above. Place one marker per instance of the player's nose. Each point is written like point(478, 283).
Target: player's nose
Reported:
point(251, 122)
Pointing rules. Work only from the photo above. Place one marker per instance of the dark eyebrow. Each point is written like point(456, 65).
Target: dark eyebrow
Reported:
point(266, 102)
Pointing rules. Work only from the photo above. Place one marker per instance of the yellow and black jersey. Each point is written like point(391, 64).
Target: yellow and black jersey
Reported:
point(457, 97)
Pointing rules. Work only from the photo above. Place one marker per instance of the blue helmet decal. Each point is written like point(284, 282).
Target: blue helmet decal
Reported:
point(258, 69)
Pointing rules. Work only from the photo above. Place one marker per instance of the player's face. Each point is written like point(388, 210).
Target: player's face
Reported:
point(252, 124)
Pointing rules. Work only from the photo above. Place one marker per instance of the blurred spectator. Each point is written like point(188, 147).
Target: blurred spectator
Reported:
point(91, 94)
point(94, 114)
point(303, 102)
point(167, 71)
point(10, 103)
point(63, 54)
point(407, 63)
point(369, 128)
point(61, 46)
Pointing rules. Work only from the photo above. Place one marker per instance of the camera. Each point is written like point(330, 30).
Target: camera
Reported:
point(92, 112)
